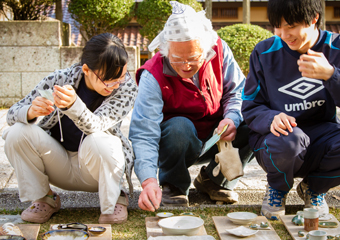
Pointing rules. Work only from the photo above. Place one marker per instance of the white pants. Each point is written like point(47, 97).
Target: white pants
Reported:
point(38, 159)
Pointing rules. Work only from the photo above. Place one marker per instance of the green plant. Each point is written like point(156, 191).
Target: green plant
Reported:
point(152, 15)
point(26, 9)
point(99, 16)
point(242, 38)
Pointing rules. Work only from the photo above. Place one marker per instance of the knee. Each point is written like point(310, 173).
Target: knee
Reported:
point(174, 129)
point(104, 145)
point(178, 134)
point(101, 141)
point(291, 145)
point(14, 135)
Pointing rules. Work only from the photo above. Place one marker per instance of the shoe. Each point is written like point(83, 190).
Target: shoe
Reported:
point(273, 204)
point(120, 213)
point(172, 197)
point(204, 184)
point(42, 209)
point(312, 199)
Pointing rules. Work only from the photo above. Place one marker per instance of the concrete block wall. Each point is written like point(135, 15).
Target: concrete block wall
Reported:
point(30, 50)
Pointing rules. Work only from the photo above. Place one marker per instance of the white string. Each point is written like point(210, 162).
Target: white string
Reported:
point(61, 131)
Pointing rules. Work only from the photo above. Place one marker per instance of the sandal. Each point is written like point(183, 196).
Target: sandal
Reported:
point(120, 214)
point(42, 209)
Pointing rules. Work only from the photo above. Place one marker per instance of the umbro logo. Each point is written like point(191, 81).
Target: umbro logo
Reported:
point(302, 88)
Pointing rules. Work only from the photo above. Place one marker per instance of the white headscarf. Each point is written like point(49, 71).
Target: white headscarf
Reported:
point(184, 24)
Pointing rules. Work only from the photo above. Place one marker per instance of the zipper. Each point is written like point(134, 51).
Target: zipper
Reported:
point(202, 95)
point(208, 87)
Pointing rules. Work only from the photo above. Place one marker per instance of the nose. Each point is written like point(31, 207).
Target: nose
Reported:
point(186, 65)
point(284, 34)
point(115, 86)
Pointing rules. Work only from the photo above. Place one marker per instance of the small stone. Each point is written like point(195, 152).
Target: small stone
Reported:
point(219, 203)
point(264, 224)
point(298, 220)
point(254, 226)
point(301, 234)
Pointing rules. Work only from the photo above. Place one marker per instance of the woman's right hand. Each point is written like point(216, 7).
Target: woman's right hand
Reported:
point(40, 107)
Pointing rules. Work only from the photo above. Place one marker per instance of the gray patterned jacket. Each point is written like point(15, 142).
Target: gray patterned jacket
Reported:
point(107, 117)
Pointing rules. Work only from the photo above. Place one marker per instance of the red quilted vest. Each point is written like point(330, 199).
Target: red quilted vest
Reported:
point(182, 98)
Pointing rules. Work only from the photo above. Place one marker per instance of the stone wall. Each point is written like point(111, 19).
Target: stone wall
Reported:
point(30, 50)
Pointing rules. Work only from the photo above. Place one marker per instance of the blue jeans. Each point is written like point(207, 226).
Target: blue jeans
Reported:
point(180, 148)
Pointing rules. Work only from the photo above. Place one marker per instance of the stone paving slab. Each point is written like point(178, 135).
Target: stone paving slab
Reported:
point(251, 187)
point(3, 123)
point(6, 170)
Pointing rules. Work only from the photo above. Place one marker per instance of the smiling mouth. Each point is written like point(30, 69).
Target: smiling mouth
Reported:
point(291, 42)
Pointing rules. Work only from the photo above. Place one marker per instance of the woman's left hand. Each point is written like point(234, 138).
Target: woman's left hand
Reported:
point(64, 96)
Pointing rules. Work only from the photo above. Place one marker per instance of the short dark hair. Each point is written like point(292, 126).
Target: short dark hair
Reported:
point(105, 52)
point(294, 11)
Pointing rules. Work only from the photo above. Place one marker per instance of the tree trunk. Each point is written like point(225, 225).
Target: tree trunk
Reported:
point(246, 11)
point(59, 10)
point(208, 9)
point(323, 24)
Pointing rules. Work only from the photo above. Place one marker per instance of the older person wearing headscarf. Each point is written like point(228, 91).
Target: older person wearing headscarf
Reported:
point(192, 86)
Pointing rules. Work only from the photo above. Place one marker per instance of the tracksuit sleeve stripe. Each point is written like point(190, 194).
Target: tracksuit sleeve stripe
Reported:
point(252, 96)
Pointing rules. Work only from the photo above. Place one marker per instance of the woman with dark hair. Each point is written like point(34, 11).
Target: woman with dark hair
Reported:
point(77, 144)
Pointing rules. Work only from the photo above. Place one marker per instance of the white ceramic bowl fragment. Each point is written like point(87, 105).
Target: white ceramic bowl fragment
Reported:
point(242, 231)
point(164, 214)
point(181, 225)
point(65, 234)
point(242, 218)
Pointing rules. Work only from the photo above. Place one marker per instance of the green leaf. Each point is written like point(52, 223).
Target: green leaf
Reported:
point(101, 15)
point(242, 38)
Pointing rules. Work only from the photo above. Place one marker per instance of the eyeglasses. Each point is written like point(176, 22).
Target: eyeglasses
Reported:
point(191, 63)
point(112, 84)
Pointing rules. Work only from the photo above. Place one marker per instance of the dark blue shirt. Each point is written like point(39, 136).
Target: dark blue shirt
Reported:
point(71, 133)
point(275, 85)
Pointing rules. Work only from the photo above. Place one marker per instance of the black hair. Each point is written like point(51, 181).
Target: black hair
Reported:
point(105, 52)
point(294, 11)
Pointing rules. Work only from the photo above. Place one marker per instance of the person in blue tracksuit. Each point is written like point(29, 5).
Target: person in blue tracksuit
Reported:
point(289, 103)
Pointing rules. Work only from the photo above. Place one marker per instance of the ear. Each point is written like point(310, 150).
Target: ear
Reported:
point(315, 19)
point(85, 69)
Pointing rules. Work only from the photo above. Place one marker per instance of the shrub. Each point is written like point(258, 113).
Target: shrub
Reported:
point(26, 9)
point(242, 39)
point(99, 16)
point(152, 15)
